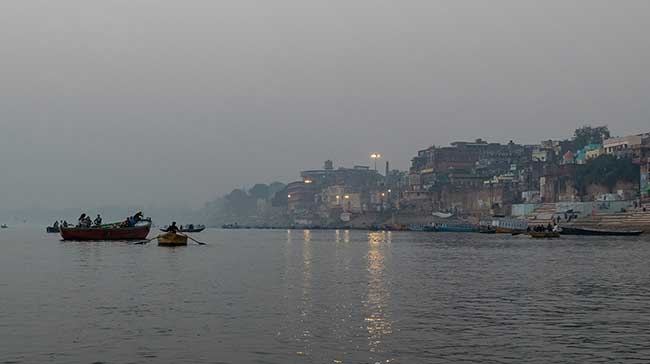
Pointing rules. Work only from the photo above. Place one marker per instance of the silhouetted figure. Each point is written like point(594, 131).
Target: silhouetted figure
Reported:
point(173, 228)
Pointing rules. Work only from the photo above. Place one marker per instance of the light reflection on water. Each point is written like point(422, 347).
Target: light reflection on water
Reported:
point(377, 300)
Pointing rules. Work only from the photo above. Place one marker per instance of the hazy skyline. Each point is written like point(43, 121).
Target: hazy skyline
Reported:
point(138, 102)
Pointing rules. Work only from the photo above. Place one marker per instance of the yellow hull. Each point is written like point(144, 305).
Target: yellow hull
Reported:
point(544, 234)
point(171, 239)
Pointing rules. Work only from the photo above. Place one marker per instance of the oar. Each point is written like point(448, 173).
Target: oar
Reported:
point(146, 241)
point(194, 240)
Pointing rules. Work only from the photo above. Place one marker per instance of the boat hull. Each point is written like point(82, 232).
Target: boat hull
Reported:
point(105, 234)
point(597, 232)
point(544, 234)
point(171, 239)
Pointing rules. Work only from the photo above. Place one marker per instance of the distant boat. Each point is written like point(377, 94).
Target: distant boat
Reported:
point(172, 239)
point(544, 234)
point(508, 225)
point(107, 232)
point(420, 227)
point(3, 226)
point(570, 230)
point(455, 228)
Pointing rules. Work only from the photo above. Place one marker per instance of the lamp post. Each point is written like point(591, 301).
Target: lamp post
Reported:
point(375, 156)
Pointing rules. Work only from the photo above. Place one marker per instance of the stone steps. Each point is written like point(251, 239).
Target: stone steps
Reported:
point(630, 220)
point(542, 214)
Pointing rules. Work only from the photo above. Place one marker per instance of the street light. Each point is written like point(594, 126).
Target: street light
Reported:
point(375, 156)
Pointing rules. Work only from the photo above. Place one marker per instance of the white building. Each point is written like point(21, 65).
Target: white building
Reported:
point(622, 145)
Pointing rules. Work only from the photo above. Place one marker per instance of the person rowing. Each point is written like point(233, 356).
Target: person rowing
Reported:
point(173, 228)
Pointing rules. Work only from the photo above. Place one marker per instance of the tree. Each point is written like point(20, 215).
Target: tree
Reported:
point(259, 191)
point(606, 170)
point(275, 187)
point(590, 135)
point(238, 202)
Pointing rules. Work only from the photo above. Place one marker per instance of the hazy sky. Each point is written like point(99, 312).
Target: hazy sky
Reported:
point(111, 102)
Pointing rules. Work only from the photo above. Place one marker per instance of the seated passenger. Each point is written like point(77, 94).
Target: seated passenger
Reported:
point(81, 220)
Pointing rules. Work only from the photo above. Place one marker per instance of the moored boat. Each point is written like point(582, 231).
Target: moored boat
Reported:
point(3, 226)
point(111, 232)
point(172, 239)
point(455, 228)
point(570, 230)
point(544, 234)
point(507, 225)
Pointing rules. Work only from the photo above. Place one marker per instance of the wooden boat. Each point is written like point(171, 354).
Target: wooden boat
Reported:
point(111, 232)
point(508, 225)
point(52, 230)
point(193, 228)
point(570, 230)
point(455, 228)
point(544, 234)
point(172, 239)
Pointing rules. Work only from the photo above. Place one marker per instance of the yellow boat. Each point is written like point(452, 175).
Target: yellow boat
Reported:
point(544, 234)
point(172, 239)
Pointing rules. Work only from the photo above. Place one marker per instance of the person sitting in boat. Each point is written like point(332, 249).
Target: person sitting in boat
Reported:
point(98, 221)
point(173, 228)
point(88, 222)
point(82, 220)
point(135, 219)
point(55, 225)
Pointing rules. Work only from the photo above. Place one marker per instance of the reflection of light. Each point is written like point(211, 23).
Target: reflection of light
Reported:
point(346, 236)
point(306, 235)
point(337, 236)
point(377, 320)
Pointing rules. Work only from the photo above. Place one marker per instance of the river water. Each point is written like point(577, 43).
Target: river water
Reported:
point(276, 296)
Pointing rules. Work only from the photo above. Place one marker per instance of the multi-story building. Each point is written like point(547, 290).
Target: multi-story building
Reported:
point(622, 147)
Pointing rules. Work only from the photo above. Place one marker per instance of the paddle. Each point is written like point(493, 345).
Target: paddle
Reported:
point(194, 240)
point(146, 241)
